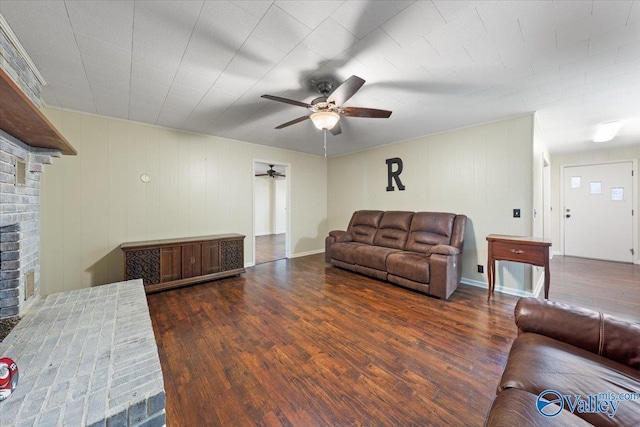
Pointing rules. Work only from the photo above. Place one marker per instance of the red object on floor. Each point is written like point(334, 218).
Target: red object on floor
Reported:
point(8, 377)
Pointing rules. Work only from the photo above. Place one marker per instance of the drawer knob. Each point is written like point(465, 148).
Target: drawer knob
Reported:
point(517, 251)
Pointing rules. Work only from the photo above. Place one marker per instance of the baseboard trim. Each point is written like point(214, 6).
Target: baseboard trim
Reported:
point(298, 255)
point(301, 254)
point(499, 288)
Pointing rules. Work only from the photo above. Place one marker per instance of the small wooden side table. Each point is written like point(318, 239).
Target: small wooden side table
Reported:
point(528, 250)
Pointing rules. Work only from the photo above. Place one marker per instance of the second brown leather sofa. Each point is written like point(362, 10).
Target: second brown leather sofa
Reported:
point(573, 352)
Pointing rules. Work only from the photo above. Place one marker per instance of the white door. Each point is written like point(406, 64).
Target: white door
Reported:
point(598, 217)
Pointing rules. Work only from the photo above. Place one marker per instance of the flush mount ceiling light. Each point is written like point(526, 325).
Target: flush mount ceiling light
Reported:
point(325, 119)
point(606, 131)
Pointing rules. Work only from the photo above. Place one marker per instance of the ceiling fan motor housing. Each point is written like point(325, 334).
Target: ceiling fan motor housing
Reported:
point(324, 87)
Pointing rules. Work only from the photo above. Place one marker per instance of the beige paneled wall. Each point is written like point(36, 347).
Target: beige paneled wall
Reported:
point(200, 185)
point(483, 172)
point(558, 161)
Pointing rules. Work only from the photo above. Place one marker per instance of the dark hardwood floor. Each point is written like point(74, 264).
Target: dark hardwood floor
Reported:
point(299, 343)
point(296, 342)
point(610, 287)
point(270, 247)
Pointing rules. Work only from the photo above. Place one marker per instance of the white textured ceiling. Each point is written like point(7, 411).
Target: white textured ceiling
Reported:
point(201, 66)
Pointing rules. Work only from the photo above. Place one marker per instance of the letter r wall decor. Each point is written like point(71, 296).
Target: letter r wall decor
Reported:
point(394, 175)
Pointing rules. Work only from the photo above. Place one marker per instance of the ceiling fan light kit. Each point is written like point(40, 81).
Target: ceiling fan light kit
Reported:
point(325, 119)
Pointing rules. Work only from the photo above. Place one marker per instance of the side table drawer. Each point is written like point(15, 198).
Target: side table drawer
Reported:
point(519, 253)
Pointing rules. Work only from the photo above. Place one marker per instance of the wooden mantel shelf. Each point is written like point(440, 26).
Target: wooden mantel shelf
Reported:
point(22, 119)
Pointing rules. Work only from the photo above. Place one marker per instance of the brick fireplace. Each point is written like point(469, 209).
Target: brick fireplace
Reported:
point(21, 164)
point(86, 357)
point(20, 170)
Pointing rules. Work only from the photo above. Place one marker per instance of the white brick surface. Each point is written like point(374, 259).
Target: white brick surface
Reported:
point(19, 223)
point(12, 62)
point(85, 357)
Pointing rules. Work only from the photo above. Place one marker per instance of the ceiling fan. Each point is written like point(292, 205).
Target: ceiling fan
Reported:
point(327, 109)
point(272, 174)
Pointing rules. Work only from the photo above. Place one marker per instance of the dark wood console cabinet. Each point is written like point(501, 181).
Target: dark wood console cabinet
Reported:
point(172, 263)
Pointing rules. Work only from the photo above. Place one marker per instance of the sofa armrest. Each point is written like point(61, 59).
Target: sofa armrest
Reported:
point(335, 236)
point(599, 333)
point(445, 250)
point(445, 272)
point(341, 236)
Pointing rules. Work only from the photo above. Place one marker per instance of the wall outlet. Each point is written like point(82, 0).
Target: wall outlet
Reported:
point(516, 213)
point(480, 268)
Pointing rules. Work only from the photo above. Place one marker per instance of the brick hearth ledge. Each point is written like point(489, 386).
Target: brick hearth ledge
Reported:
point(86, 357)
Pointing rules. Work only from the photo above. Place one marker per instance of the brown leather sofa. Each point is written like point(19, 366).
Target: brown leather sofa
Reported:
point(421, 251)
point(571, 351)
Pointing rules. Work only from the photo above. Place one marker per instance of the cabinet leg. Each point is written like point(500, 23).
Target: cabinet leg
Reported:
point(547, 280)
point(490, 278)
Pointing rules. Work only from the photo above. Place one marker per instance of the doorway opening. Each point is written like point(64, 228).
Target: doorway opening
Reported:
point(546, 202)
point(270, 206)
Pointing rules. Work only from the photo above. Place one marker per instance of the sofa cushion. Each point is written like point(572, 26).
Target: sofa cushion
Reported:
point(514, 407)
point(373, 256)
point(410, 265)
point(363, 226)
point(429, 229)
point(538, 363)
point(345, 251)
point(393, 229)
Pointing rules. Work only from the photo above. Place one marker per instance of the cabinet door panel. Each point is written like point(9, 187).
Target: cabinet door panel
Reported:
point(191, 261)
point(143, 264)
point(232, 253)
point(210, 257)
point(170, 264)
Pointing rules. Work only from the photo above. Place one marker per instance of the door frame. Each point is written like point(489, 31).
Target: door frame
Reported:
point(547, 232)
point(287, 240)
point(634, 201)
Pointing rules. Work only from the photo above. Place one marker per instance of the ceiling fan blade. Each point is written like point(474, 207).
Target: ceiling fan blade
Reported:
point(286, 100)
point(371, 113)
point(346, 90)
point(292, 122)
point(336, 130)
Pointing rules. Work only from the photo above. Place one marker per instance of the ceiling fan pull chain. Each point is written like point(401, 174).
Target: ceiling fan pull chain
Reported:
point(325, 142)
